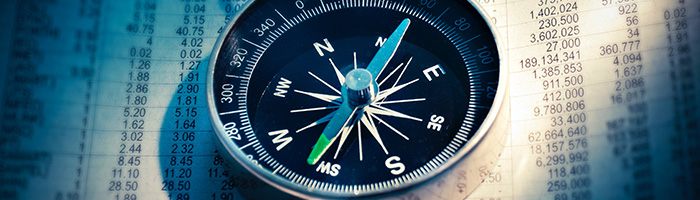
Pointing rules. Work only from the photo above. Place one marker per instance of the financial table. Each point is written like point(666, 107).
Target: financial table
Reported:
point(106, 100)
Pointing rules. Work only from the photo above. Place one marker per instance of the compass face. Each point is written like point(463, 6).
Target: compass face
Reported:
point(352, 97)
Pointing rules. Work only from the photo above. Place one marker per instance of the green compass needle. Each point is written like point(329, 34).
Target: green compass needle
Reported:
point(359, 90)
point(315, 109)
point(340, 119)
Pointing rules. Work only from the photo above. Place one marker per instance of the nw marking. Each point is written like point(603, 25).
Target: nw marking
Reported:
point(282, 85)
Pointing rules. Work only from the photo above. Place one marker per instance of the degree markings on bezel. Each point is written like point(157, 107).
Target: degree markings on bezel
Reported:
point(401, 7)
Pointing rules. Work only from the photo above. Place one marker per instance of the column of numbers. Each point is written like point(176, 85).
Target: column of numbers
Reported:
point(684, 76)
point(185, 140)
point(126, 172)
point(557, 140)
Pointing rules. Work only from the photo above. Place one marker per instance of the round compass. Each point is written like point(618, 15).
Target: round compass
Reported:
point(352, 98)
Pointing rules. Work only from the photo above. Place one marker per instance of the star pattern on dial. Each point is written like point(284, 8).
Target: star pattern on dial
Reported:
point(372, 114)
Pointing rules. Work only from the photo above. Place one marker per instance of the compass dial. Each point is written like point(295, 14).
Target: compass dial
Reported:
point(352, 97)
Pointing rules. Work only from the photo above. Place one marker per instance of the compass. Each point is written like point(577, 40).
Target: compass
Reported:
point(356, 98)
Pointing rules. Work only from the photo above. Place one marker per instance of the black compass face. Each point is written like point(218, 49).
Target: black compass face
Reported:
point(353, 97)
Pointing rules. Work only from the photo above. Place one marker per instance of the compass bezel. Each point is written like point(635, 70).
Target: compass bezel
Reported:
point(233, 152)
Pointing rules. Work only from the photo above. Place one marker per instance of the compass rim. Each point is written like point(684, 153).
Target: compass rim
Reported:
point(290, 187)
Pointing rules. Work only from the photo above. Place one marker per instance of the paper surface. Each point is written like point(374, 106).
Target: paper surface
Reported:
point(106, 100)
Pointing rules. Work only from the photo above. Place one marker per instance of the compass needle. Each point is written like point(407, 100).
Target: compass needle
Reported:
point(387, 50)
point(392, 77)
point(338, 121)
point(358, 80)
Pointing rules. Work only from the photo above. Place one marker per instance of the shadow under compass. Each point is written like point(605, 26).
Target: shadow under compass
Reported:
point(191, 164)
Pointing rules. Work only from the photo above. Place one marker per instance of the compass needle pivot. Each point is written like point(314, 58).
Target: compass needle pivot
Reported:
point(355, 98)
